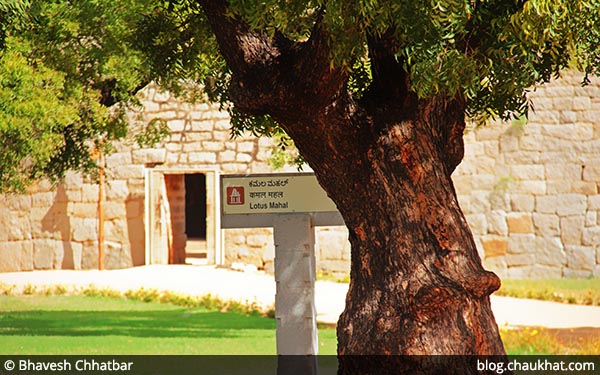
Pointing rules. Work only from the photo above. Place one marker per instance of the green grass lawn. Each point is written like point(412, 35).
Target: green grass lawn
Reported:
point(94, 325)
point(83, 324)
point(574, 291)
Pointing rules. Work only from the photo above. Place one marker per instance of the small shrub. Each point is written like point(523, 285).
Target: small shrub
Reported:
point(6, 290)
point(143, 295)
point(29, 289)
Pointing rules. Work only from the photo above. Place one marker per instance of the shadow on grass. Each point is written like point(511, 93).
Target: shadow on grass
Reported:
point(178, 323)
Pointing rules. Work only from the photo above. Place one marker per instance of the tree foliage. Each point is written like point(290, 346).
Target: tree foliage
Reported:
point(66, 64)
point(68, 75)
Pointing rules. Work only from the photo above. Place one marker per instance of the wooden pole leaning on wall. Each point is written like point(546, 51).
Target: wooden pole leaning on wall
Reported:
point(100, 208)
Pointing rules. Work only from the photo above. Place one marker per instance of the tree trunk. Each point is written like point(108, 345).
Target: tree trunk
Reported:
point(417, 284)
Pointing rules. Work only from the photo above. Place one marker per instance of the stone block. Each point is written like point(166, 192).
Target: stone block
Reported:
point(519, 222)
point(84, 230)
point(134, 208)
point(234, 168)
point(591, 236)
point(117, 256)
point(477, 223)
point(224, 124)
point(71, 256)
point(258, 240)
point(584, 187)
point(480, 201)
point(539, 272)
point(72, 180)
point(161, 96)
point(213, 146)
point(528, 172)
point(89, 193)
point(546, 225)
point(596, 272)
point(571, 229)
point(178, 125)
point(196, 138)
point(117, 190)
point(580, 257)
point(557, 187)
point(522, 202)
point(546, 204)
point(89, 255)
point(571, 204)
point(331, 244)
point(149, 156)
point(550, 252)
point(19, 203)
point(499, 201)
point(246, 146)
point(591, 172)
point(576, 274)
point(494, 246)
point(523, 157)
point(519, 272)
point(598, 254)
point(508, 143)
point(118, 159)
point(594, 202)
point(497, 223)
point(114, 210)
point(128, 172)
point(268, 255)
point(12, 257)
point(488, 133)
point(43, 200)
point(243, 158)
point(591, 218)
point(582, 103)
point(545, 117)
point(135, 230)
point(521, 243)
point(83, 210)
point(202, 157)
point(226, 156)
point(44, 253)
point(116, 231)
point(560, 171)
point(335, 266)
point(497, 265)
point(533, 187)
point(464, 201)
point(221, 136)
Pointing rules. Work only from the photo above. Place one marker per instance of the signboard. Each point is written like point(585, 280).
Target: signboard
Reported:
point(274, 193)
point(260, 195)
point(293, 204)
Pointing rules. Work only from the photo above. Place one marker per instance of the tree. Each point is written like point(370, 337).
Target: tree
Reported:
point(375, 95)
point(67, 78)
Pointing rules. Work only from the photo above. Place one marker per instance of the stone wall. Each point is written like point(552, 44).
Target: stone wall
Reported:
point(54, 227)
point(530, 193)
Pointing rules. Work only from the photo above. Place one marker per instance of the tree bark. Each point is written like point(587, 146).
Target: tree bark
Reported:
point(417, 284)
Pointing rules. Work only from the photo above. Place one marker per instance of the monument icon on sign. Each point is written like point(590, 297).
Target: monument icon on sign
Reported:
point(235, 195)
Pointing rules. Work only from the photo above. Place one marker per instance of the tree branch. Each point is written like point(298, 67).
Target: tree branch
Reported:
point(272, 74)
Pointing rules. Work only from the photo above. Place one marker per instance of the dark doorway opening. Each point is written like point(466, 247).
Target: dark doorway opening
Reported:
point(195, 215)
point(195, 206)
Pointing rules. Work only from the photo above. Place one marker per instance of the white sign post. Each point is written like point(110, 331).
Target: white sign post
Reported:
point(293, 204)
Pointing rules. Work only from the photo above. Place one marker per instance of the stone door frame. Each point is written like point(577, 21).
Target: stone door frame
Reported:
point(156, 250)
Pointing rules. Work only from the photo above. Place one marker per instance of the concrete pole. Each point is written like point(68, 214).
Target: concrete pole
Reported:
point(295, 272)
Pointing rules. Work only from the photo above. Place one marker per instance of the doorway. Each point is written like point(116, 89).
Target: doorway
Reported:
point(195, 218)
point(182, 216)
